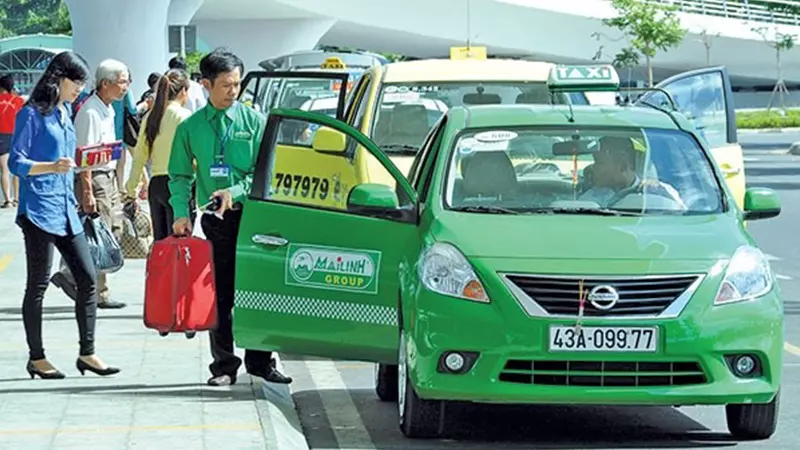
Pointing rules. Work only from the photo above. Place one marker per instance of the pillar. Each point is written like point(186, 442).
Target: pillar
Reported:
point(256, 40)
point(133, 32)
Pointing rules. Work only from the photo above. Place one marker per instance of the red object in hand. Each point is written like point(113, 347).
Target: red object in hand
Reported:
point(180, 293)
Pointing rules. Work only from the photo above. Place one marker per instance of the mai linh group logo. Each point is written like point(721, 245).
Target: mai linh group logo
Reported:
point(333, 268)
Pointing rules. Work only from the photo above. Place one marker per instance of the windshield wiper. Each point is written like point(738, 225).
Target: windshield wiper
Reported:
point(400, 149)
point(586, 211)
point(486, 209)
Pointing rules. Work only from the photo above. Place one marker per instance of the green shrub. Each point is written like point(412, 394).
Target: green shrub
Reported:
point(768, 119)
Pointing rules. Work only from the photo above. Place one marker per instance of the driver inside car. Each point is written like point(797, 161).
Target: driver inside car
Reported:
point(614, 171)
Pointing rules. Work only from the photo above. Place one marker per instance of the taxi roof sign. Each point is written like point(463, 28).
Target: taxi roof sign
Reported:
point(334, 62)
point(468, 53)
point(594, 78)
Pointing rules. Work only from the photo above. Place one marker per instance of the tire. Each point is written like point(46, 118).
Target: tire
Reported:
point(190, 334)
point(419, 418)
point(386, 382)
point(163, 333)
point(753, 421)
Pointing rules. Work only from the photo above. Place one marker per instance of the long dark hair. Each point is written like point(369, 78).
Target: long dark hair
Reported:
point(167, 89)
point(46, 93)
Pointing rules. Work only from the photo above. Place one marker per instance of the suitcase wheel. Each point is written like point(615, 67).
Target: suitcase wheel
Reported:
point(163, 333)
point(190, 334)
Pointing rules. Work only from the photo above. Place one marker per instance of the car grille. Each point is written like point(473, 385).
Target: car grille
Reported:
point(648, 296)
point(602, 373)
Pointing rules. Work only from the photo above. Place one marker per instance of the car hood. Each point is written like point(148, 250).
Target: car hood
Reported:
point(708, 237)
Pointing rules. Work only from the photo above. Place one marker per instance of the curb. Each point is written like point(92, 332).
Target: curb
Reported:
point(768, 130)
point(278, 414)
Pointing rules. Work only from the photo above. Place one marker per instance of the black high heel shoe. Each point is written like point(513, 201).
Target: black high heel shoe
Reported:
point(33, 371)
point(83, 366)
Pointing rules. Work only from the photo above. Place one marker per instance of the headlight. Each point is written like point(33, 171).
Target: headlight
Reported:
point(748, 276)
point(443, 269)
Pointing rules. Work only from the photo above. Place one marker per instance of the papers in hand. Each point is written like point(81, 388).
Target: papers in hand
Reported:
point(95, 155)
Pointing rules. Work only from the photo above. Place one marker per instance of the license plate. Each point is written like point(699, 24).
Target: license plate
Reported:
point(603, 339)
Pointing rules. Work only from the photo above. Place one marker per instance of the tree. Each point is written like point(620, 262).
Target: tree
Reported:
point(34, 16)
point(650, 27)
point(707, 43)
point(193, 61)
point(780, 42)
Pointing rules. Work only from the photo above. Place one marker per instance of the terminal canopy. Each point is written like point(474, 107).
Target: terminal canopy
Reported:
point(594, 78)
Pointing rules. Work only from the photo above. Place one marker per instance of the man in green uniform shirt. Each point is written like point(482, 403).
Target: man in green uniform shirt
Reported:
point(223, 139)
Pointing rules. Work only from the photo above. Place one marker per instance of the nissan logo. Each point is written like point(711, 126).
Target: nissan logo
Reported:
point(603, 297)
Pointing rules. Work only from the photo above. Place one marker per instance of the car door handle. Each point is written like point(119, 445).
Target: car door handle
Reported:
point(729, 172)
point(266, 239)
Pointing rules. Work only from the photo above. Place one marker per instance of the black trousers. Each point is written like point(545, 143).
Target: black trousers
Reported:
point(74, 251)
point(223, 234)
point(160, 210)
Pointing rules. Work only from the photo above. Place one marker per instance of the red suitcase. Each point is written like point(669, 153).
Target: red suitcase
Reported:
point(179, 293)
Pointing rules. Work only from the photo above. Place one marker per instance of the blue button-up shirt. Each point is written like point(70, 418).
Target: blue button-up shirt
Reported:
point(47, 200)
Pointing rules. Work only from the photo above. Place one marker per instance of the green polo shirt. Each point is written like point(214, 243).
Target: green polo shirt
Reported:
point(199, 139)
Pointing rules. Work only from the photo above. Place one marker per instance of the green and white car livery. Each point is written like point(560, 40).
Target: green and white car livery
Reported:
point(535, 254)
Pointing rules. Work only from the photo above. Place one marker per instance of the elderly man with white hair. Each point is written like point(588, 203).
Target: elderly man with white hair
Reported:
point(96, 188)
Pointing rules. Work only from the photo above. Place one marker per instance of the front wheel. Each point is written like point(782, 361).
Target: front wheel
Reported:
point(419, 418)
point(753, 421)
point(386, 382)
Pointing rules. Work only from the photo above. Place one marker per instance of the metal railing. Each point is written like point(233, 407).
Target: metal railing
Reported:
point(750, 10)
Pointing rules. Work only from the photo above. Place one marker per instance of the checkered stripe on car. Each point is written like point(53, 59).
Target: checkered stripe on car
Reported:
point(315, 307)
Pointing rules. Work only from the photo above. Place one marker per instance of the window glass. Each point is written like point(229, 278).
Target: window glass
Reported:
point(702, 99)
point(407, 111)
point(317, 166)
point(641, 171)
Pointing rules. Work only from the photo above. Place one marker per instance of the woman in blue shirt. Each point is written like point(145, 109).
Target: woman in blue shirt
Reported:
point(42, 149)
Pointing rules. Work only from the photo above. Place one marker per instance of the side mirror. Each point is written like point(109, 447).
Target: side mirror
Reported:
point(761, 203)
point(373, 198)
point(328, 140)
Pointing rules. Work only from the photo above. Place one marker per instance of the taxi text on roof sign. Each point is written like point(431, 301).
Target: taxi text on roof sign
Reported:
point(334, 62)
point(467, 52)
point(583, 78)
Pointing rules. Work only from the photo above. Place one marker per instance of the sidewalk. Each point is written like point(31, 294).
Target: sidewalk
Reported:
point(158, 401)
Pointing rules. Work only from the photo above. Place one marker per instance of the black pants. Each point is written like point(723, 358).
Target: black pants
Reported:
point(223, 234)
point(39, 256)
point(160, 209)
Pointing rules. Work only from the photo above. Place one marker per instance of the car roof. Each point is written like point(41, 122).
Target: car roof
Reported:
point(521, 115)
point(466, 70)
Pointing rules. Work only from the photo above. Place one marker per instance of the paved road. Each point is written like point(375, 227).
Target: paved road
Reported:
point(339, 410)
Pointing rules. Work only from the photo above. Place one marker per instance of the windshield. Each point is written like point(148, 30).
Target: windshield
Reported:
point(407, 111)
point(610, 171)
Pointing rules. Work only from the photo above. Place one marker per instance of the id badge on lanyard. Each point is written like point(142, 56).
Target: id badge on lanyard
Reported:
point(220, 171)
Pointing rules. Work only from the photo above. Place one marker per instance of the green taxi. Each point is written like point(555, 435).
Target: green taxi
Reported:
point(552, 254)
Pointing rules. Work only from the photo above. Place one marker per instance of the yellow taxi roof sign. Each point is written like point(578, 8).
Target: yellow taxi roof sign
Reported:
point(467, 52)
point(334, 62)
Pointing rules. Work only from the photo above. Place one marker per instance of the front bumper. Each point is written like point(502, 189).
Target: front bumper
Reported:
point(701, 337)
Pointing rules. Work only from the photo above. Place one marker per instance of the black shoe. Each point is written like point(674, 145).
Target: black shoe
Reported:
point(222, 380)
point(110, 304)
point(83, 366)
point(50, 375)
point(61, 282)
point(272, 375)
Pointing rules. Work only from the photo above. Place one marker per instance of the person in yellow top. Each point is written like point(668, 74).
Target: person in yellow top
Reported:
point(155, 144)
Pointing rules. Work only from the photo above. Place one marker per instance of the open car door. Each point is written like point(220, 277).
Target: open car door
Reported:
point(706, 98)
point(318, 254)
point(265, 91)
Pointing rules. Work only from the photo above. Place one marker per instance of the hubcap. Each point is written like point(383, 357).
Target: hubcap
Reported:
point(401, 377)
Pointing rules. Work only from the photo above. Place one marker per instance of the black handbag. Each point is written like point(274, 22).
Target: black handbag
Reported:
point(130, 128)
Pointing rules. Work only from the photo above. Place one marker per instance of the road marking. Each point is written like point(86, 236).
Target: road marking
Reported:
point(793, 349)
point(346, 422)
point(750, 159)
point(782, 277)
point(5, 260)
point(771, 257)
point(210, 426)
